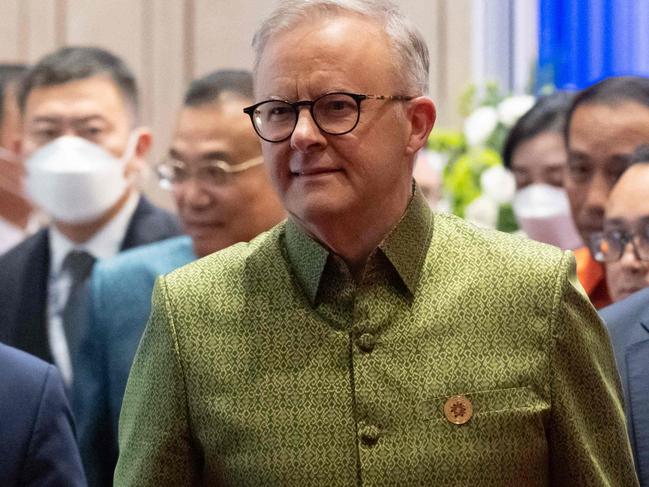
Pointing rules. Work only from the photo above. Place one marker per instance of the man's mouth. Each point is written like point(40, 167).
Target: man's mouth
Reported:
point(200, 227)
point(314, 171)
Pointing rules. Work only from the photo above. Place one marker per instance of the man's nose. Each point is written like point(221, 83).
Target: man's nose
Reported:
point(194, 193)
point(629, 260)
point(307, 135)
point(597, 194)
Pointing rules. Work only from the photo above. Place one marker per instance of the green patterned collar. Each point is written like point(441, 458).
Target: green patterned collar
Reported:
point(405, 248)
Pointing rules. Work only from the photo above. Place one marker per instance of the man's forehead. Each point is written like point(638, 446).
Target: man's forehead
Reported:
point(224, 115)
point(96, 96)
point(214, 126)
point(629, 195)
point(335, 26)
point(328, 55)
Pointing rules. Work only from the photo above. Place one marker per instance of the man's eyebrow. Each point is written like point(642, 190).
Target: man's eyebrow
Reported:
point(46, 119)
point(615, 222)
point(620, 158)
point(207, 156)
point(220, 155)
point(57, 119)
point(577, 154)
point(91, 118)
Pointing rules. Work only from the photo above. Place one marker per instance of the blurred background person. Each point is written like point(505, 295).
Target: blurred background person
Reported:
point(37, 446)
point(623, 245)
point(83, 147)
point(223, 194)
point(535, 152)
point(428, 174)
point(15, 208)
point(605, 123)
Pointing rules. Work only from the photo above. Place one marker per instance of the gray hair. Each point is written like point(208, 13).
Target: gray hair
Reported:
point(410, 50)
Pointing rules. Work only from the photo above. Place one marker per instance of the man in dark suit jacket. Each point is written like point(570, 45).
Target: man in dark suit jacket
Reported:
point(628, 326)
point(37, 444)
point(82, 148)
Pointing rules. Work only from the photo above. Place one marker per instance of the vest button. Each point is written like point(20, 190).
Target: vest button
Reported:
point(366, 342)
point(369, 434)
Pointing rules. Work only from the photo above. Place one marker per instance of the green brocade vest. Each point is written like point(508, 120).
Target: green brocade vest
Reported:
point(265, 365)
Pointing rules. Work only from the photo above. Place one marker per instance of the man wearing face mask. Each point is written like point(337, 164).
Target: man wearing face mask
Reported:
point(16, 219)
point(223, 193)
point(82, 148)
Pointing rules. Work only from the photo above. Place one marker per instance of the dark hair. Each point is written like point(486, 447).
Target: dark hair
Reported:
point(9, 73)
point(78, 63)
point(610, 91)
point(547, 115)
point(640, 155)
point(208, 88)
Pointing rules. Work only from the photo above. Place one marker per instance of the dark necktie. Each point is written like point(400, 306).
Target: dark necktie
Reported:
point(78, 264)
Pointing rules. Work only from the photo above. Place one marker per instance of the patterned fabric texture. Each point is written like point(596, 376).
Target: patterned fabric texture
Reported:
point(266, 365)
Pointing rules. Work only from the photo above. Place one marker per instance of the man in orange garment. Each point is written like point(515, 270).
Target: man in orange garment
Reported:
point(606, 122)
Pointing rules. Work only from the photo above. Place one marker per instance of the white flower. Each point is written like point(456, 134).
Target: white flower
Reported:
point(483, 212)
point(498, 184)
point(480, 125)
point(513, 108)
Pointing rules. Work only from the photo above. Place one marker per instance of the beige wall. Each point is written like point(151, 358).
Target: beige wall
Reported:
point(169, 42)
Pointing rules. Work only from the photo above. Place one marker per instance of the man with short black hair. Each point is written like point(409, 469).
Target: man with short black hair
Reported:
point(605, 123)
point(82, 147)
point(16, 219)
point(223, 194)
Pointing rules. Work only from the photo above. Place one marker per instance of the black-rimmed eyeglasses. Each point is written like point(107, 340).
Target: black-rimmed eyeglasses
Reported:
point(334, 113)
point(608, 246)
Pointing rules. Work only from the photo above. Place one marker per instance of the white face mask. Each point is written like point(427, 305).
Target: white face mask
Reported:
point(76, 181)
point(543, 213)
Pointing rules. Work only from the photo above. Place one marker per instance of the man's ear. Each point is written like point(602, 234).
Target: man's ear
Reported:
point(422, 114)
point(141, 151)
point(144, 141)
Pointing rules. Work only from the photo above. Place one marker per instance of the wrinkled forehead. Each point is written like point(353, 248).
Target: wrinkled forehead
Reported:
point(311, 18)
point(328, 48)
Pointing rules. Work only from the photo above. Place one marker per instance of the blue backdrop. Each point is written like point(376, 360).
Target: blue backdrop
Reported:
point(583, 41)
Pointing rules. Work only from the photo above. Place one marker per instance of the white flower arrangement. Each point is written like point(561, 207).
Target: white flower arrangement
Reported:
point(476, 184)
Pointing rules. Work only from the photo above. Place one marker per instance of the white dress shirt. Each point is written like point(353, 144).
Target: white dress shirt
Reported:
point(102, 245)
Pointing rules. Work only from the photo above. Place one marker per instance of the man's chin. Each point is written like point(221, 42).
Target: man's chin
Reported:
point(206, 246)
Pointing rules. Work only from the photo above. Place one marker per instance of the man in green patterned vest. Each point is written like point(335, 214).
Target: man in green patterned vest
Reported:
point(367, 341)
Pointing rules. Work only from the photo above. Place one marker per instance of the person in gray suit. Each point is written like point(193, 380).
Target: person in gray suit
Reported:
point(224, 196)
point(628, 326)
point(624, 248)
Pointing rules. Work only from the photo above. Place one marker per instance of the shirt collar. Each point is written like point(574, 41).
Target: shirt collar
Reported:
point(405, 247)
point(102, 245)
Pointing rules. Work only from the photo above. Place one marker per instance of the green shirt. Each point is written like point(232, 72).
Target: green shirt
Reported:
point(265, 364)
